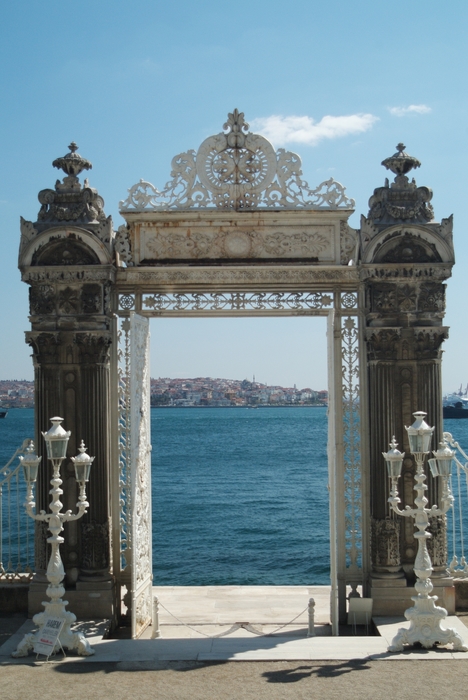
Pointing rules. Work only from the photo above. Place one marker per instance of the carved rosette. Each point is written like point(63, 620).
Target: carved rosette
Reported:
point(93, 348)
point(385, 545)
point(41, 299)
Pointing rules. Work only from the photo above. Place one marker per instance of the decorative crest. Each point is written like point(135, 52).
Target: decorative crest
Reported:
point(72, 163)
point(236, 170)
point(402, 200)
point(401, 163)
point(71, 201)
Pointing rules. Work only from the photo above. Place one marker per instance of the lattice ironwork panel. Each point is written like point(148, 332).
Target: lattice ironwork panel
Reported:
point(227, 303)
point(352, 442)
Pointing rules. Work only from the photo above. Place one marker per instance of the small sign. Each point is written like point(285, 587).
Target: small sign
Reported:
point(48, 635)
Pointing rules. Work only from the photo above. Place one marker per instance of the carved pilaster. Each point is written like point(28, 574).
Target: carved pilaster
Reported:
point(437, 544)
point(386, 559)
point(94, 550)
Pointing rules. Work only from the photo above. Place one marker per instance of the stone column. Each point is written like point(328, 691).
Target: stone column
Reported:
point(405, 258)
point(67, 259)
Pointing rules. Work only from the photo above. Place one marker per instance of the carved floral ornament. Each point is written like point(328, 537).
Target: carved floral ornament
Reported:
point(236, 169)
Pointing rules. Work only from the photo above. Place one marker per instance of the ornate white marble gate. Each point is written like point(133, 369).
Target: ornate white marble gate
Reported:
point(238, 233)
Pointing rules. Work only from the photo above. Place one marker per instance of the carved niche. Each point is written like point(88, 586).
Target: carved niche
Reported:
point(65, 252)
point(408, 249)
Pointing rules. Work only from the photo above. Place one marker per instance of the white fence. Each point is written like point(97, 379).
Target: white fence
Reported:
point(458, 566)
point(16, 528)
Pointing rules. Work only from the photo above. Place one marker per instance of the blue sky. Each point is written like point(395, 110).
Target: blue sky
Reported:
point(136, 83)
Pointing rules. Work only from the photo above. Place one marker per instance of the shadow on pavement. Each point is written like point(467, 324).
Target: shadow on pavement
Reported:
point(324, 670)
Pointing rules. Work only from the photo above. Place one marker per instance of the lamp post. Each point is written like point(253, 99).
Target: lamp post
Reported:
point(425, 616)
point(56, 440)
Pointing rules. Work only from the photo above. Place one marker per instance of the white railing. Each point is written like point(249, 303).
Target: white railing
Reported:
point(16, 529)
point(458, 567)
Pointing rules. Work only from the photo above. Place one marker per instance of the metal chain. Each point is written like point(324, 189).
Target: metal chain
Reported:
point(234, 627)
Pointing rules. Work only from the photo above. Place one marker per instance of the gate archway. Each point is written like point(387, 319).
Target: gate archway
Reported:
point(235, 232)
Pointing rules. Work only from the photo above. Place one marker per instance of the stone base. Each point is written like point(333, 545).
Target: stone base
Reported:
point(461, 593)
point(14, 597)
point(88, 600)
point(392, 597)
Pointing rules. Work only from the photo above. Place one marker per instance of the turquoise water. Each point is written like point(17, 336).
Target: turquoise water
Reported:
point(239, 496)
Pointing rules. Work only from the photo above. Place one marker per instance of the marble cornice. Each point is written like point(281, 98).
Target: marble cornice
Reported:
point(248, 277)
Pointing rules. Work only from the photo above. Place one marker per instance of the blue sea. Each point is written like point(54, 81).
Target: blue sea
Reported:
point(239, 496)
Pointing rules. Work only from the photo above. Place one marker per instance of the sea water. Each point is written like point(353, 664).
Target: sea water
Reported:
point(239, 496)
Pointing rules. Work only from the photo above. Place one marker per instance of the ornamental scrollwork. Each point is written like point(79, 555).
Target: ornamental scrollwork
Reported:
point(123, 244)
point(236, 169)
point(237, 301)
point(350, 384)
point(308, 242)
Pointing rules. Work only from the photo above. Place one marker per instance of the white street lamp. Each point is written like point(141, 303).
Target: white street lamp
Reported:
point(425, 616)
point(56, 440)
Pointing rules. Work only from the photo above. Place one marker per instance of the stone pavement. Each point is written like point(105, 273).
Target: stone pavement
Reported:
point(241, 623)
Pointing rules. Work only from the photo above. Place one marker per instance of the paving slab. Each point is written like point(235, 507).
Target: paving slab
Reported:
point(248, 631)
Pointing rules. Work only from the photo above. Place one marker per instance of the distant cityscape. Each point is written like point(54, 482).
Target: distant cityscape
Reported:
point(197, 392)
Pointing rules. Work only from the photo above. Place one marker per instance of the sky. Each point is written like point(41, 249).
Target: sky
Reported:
point(136, 83)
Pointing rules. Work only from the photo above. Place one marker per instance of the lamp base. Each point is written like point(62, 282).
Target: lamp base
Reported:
point(425, 617)
point(74, 641)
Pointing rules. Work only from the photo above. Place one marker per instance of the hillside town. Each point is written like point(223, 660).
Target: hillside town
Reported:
point(197, 392)
point(206, 391)
point(16, 393)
